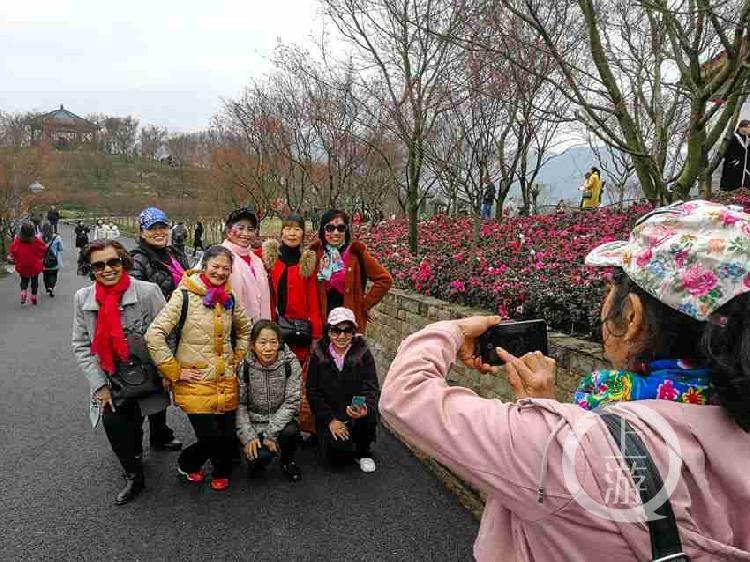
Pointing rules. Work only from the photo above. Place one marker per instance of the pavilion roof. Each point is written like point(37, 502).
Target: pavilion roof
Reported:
point(62, 120)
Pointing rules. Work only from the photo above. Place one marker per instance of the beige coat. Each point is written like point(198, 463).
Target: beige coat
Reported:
point(205, 345)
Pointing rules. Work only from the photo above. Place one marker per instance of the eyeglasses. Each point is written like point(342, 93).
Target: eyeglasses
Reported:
point(100, 266)
point(336, 331)
point(334, 227)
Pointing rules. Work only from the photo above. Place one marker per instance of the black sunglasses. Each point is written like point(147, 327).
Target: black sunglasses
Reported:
point(99, 266)
point(334, 227)
point(336, 331)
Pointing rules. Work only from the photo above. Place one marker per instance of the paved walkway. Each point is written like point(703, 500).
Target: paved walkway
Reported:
point(58, 477)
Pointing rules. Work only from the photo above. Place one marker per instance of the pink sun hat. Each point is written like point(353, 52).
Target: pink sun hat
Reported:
point(693, 257)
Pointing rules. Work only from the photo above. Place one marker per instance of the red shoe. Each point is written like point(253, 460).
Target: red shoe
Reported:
point(23, 297)
point(220, 484)
point(195, 477)
point(33, 299)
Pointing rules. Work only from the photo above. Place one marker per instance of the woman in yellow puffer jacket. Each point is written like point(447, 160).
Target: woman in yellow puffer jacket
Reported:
point(203, 371)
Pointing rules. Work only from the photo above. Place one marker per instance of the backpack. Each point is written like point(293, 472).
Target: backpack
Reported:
point(179, 235)
point(50, 258)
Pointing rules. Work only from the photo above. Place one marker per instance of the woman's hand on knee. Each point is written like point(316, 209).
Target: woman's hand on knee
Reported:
point(251, 449)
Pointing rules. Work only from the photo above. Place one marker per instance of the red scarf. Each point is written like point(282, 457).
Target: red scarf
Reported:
point(109, 342)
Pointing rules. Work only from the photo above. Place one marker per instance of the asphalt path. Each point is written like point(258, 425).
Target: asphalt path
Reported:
point(58, 477)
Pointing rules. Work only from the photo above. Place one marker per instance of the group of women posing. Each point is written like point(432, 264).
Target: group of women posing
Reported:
point(254, 345)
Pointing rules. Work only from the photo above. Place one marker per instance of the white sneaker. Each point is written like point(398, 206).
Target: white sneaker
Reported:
point(366, 464)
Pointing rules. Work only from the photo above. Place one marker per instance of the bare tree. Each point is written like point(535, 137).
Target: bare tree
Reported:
point(394, 40)
point(152, 137)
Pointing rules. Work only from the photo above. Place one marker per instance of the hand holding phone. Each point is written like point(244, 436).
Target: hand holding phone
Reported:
point(518, 338)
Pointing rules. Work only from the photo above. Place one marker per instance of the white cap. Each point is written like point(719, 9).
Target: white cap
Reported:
point(340, 315)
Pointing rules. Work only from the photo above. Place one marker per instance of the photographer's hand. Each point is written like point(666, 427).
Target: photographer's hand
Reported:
point(530, 376)
point(472, 328)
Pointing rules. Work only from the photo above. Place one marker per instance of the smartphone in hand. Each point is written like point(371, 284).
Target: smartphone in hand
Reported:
point(517, 338)
point(358, 402)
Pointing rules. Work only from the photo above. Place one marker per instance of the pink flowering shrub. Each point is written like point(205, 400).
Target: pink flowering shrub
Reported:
point(525, 267)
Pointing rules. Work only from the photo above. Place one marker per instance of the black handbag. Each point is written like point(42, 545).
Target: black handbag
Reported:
point(49, 261)
point(295, 332)
point(137, 377)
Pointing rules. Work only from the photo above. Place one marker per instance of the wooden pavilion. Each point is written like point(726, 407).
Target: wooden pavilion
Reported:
point(62, 128)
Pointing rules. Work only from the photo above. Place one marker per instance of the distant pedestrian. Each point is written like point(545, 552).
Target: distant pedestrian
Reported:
point(269, 401)
point(110, 319)
point(53, 216)
point(101, 231)
point(203, 369)
point(179, 236)
point(736, 171)
point(36, 220)
point(81, 232)
point(343, 391)
point(52, 261)
point(198, 238)
point(488, 198)
point(592, 190)
point(27, 251)
point(113, 232)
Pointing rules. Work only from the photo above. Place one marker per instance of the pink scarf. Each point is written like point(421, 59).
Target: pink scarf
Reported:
point(250, 282)
point(338, 358)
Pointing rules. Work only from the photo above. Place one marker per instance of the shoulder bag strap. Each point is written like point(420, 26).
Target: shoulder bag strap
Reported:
point(183, 318)
point(665, 537)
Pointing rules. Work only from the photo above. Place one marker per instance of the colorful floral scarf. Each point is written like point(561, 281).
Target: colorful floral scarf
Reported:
point(663, 379)
point(216, 295)
point(335, 264)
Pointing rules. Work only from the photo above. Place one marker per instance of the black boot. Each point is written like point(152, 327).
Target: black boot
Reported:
point(134, 485)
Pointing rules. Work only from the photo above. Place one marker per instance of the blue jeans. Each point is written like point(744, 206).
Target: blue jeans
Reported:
point(486, 211)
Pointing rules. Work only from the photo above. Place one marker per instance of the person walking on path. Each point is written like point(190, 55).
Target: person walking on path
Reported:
point(53, 217)
point(592, 190)
point(52, 260)
point(736, 171)
point(269, 401)
point(113, 233)
point(344, 266)
point(249, 278)
point(343, 389)
point(36, 219)
point(155, 261)
point(204, 368)
point(27, 251)
point(675, 327)
point(488, 198)
point(81, 232)
point(198, 238)
point(100, 230)
point(109, 321)
point(294, 297)
point(179, 236)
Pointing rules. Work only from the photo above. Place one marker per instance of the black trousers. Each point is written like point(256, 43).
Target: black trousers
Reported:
point(50, 278)
point(159, 431)
point(124, 429)
point(34, 280)
point(288, 441)
point(54, 226)
point(215, 434)
point(361, 436)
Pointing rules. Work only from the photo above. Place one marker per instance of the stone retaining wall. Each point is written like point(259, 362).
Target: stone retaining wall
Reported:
point(402, 313)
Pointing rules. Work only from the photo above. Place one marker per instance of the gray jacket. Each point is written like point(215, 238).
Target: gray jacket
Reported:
point(139, 306)
point(272, 400)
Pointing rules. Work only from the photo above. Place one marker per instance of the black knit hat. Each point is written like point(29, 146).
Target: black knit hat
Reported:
point(241, 214)
point(327, 217)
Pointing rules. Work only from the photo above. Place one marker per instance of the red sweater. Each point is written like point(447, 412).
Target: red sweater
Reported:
point(28, 256)
point(301, 296)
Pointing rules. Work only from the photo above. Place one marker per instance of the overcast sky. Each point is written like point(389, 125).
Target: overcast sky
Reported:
point(166, 62)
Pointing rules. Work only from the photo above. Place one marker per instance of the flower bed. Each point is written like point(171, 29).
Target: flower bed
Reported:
point(526, 267)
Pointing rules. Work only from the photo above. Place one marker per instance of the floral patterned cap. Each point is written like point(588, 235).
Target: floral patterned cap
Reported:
point(694, 256)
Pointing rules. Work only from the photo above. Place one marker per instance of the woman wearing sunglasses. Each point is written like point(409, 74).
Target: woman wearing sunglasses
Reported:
point(344, 266)
point(343, 391)
point(110, 315)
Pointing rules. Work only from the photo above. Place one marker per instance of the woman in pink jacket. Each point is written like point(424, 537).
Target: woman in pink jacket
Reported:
point(676, 328)
point(249, 280)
